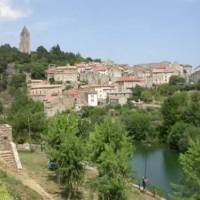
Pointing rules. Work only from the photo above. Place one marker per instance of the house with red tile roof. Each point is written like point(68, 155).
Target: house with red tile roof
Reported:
point(161, 75)
point(126, 83)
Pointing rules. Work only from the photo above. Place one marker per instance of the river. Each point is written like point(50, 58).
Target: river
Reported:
point(162, 167)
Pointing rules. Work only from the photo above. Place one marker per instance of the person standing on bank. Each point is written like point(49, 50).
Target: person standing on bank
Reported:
point(144, 183)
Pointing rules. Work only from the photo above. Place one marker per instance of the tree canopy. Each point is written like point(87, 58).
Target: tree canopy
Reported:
point(65, 149)
point(110, 149)
point(190, 163)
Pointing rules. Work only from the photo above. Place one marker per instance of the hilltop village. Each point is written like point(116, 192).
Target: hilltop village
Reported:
point(72, 126)
point(95, 84)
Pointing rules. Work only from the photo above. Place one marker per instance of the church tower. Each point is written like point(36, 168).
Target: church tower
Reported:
point(24, 45)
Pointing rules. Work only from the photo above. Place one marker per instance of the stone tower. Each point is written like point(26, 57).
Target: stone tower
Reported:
point(24, 45)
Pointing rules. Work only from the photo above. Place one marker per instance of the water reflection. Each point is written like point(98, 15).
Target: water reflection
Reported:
point(162, 167)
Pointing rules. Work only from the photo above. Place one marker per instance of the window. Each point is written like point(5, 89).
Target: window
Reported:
point(92, 98)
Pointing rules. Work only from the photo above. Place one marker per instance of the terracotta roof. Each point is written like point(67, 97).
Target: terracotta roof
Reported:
point(45, 86)
point(163, 70)
point(73, 92)
point(70, 69)
point(114, 97)
point(128, 79)
point(104, 86)
point(96, 86)
point(101, 68)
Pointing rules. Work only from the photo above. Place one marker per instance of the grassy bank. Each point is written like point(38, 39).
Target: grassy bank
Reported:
point(35, 164)
point(11, 189)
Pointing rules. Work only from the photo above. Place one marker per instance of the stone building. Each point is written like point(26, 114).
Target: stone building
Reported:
point(53, 105)
point(162, 75)
point(63, 74)
point(40, 92)
point(50, 95)
point(24, 46)
point(126, 83)
point(195, 76)
point(92, 99)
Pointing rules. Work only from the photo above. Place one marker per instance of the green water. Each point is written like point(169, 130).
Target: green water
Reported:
point(162, 167)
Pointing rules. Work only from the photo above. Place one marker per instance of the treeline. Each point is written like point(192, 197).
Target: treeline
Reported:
point(181, 119)
point(181, 130)
point(12, 62)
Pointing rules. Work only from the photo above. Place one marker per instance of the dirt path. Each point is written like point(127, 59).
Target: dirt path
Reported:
point(27, 181)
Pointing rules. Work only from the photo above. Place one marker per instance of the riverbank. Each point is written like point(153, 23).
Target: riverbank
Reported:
point(148, 193)
point(35, 164)
point(160, 165)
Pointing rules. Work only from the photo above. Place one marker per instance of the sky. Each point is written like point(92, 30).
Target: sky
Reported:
point(125, 31)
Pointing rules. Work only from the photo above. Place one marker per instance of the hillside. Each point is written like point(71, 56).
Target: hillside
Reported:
point(12, 188)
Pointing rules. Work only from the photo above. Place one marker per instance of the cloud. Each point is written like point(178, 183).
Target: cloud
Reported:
point(9, 13)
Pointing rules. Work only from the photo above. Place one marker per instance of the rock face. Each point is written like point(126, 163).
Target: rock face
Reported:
point(24, 45)
point(8, 151)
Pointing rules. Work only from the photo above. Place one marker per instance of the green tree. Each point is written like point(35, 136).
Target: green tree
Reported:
point(52, 80)
point(110, 188)
point(41, 52)
point(111, 150)
point(180, 135)
point(192, 111)
point(137, 91)
point(190, 162)
point(176, 80)
point(65, 149)
point(172, 110)
point(27, 118)
point(146, 96)
point(138, 125)
point(38, 71)
point(94, 114)
point(18, 81)
point(167, 90)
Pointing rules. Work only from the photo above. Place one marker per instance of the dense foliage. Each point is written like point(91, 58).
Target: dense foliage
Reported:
point(27, 118)
point(191, 167)
point(103, 136)
point(12, 62)
point(111, 150)
point(65, 150)
point(189, 188)
point(181, 119)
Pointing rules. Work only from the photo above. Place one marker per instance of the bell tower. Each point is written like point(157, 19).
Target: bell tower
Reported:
point(24, 46)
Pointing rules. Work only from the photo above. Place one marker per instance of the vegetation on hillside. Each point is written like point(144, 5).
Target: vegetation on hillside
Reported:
point(103, 136)
point(11, 189)
point(14, 65)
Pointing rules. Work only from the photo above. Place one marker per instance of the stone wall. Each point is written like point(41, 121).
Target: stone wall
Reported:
point(5, 136)
point(8, 151)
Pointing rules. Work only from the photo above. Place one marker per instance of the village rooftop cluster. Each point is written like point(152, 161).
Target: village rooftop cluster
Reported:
point(97, 84)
